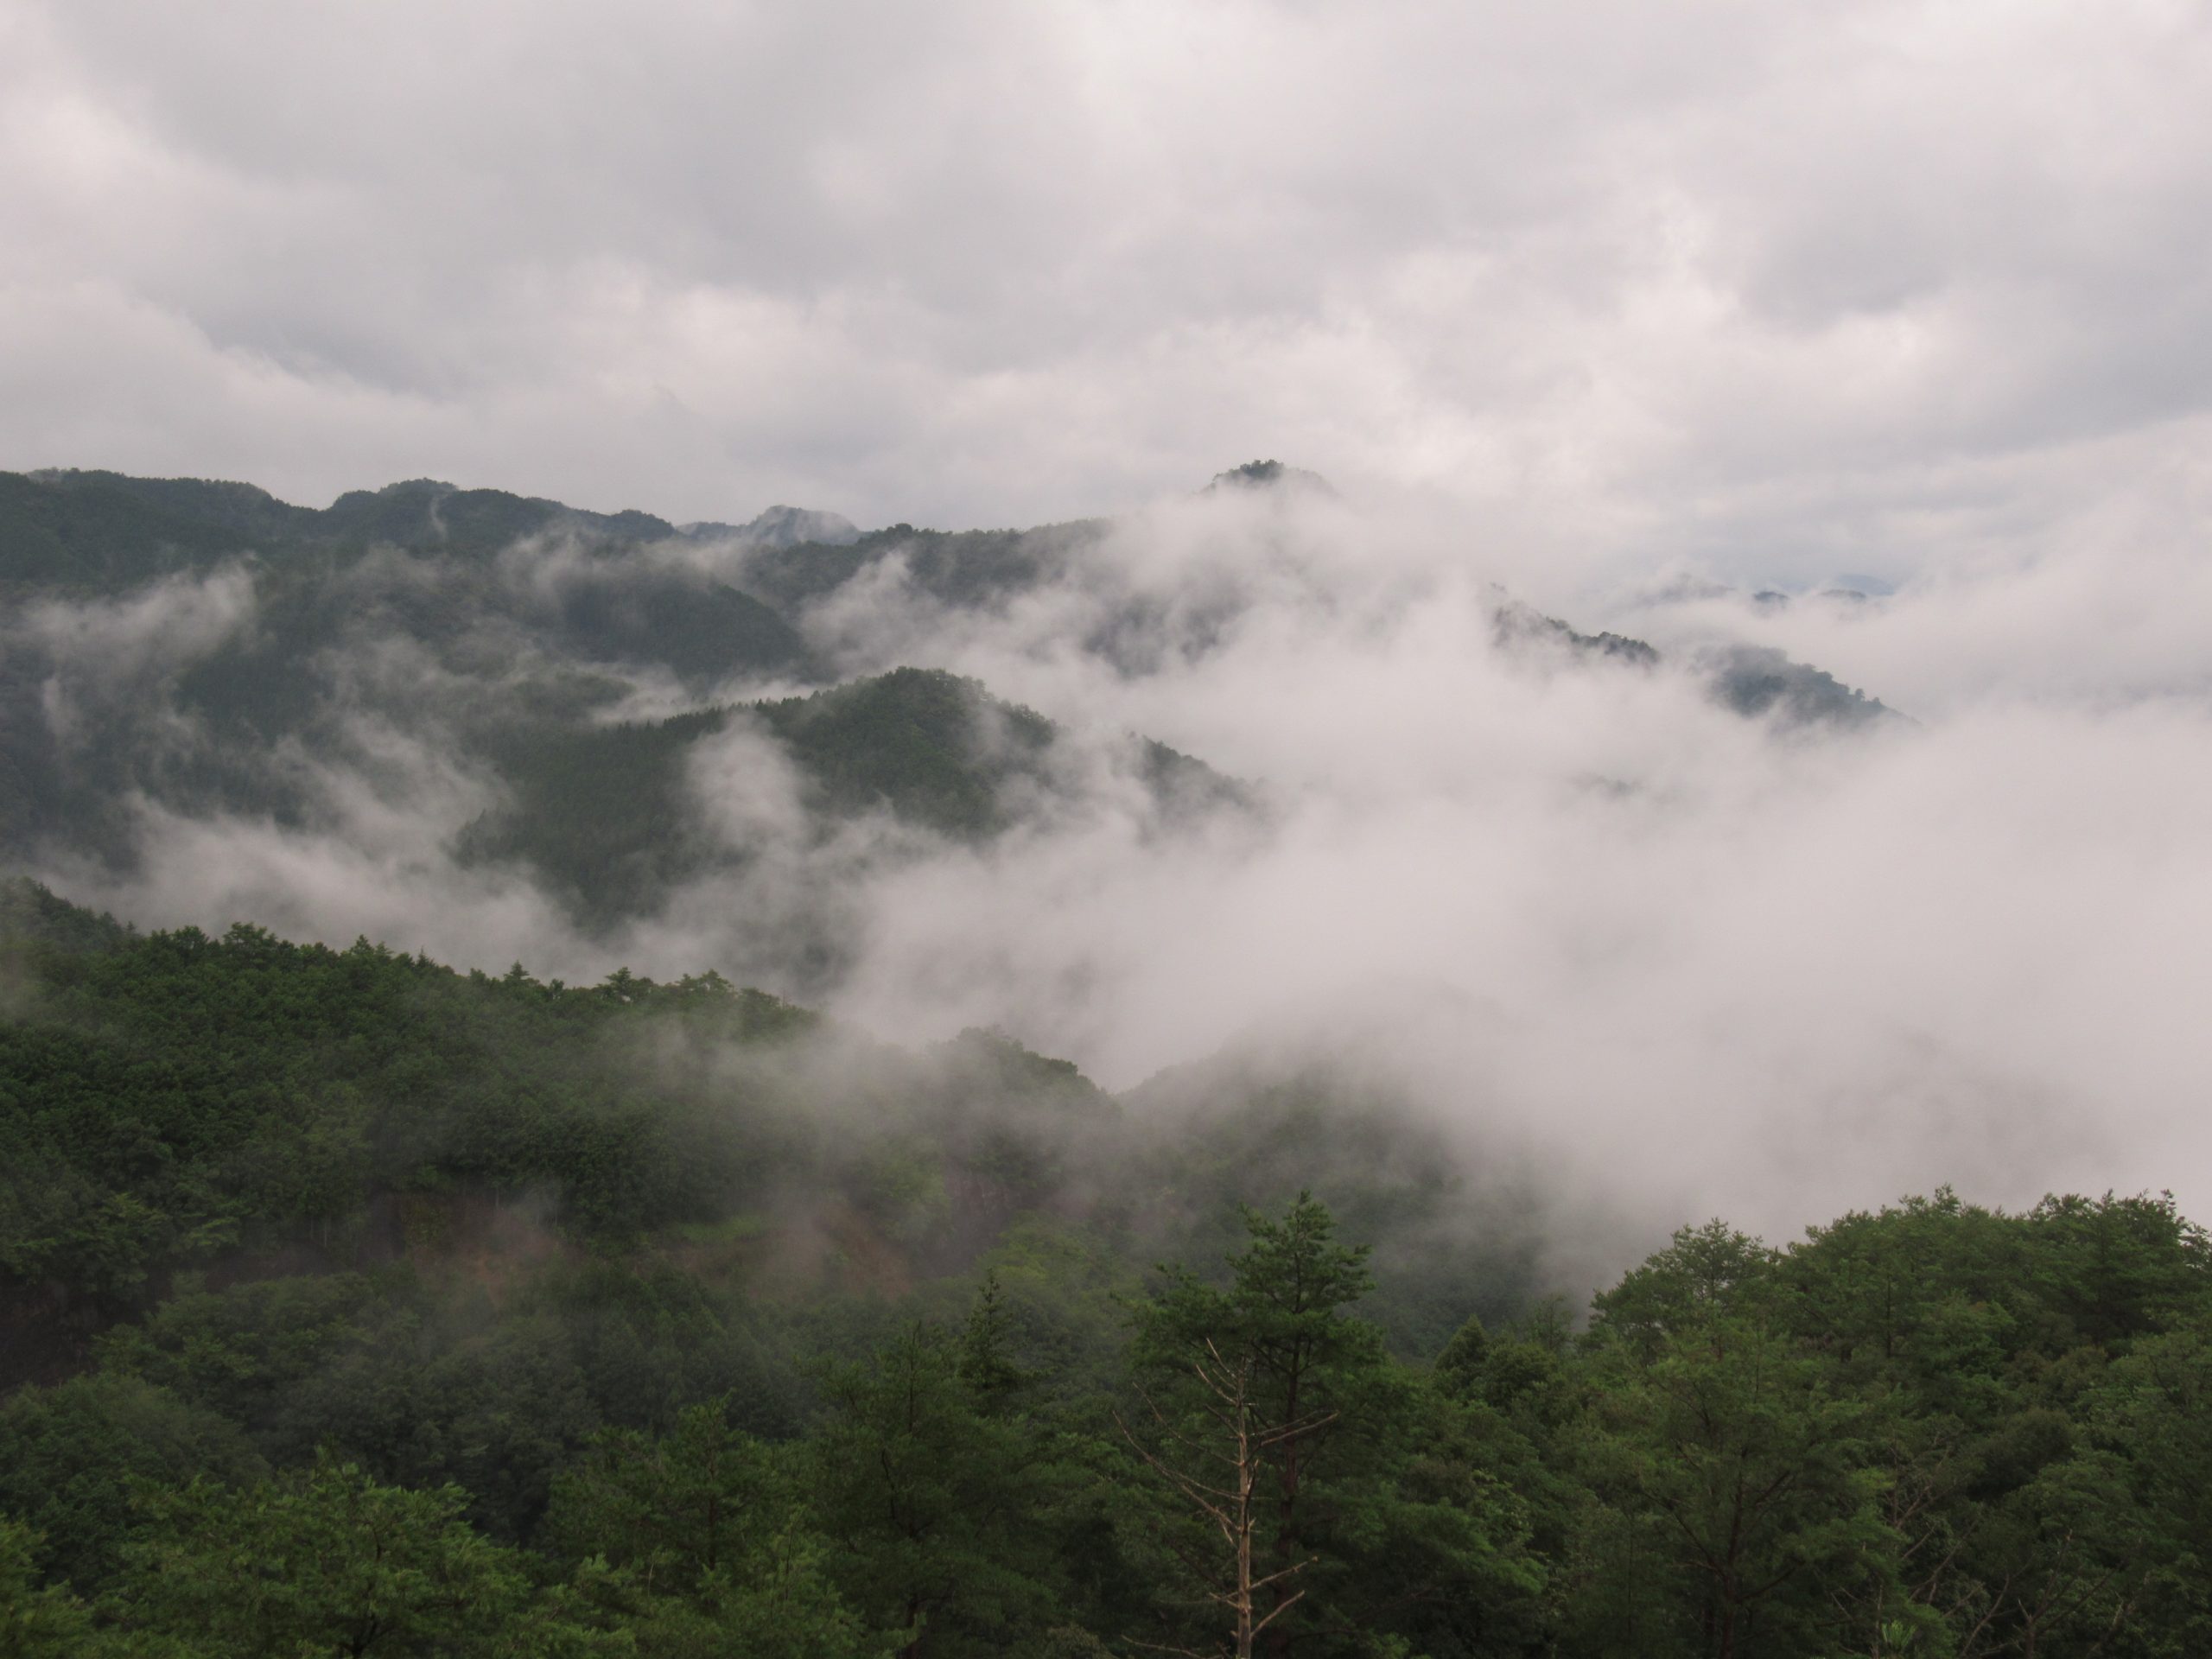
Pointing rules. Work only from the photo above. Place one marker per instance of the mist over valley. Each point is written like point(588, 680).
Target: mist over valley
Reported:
point(1257, 769)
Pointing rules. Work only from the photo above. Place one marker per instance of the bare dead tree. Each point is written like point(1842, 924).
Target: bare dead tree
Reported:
point(1230, 1461)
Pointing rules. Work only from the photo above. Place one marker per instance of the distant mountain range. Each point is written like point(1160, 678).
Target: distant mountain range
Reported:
point(199, 648)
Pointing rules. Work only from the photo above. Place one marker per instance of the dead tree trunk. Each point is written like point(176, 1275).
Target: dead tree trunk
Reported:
point(1223, 1490)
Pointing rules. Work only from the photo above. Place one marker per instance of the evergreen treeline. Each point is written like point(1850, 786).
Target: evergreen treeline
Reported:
point(351, 1305)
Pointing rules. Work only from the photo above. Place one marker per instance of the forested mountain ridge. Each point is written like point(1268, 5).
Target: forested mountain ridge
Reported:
point(532, 687)
point(352, 1305)
point(606, 815)
point(92, 533)
point(98, 530)
point(177, 1100)
point(183, 646)
point(204, 650)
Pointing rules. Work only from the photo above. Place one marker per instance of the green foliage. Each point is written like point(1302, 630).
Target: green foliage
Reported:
point(1304, 1473)
point(326, 1561)
point(986, 1364)
point(34, 921)
point(69, 1455)
point(36, 1621)
point(1459, 1363)
point(600, 814)
point(2149, 1421)
point(674, 1511)
point(609, 817)
point(181, 1095)
point(84, 529)
point(785, 1609)
point(927, 746)
point(350, 1304)
point(924, 1490)
point(690, 1542)
point(1748, 1476)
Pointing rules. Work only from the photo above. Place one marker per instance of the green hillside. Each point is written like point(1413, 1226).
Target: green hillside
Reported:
point(608, 818)
point(351, 1304)
point(184, 646)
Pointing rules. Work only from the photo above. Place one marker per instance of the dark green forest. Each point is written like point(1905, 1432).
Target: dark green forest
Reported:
point(353, 1305)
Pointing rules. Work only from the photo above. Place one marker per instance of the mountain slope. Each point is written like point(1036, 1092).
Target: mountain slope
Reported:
point(204, 651)
point(255, 1108)
point(610, 816)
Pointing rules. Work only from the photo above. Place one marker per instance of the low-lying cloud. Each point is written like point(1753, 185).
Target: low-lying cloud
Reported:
point(1603, 927)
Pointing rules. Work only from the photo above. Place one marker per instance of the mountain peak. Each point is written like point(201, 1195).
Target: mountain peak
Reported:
point(1270, 475)
point(780, 527)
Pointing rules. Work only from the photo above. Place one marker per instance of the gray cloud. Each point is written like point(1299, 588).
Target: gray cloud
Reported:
point(1750, 285)
point(117, 651)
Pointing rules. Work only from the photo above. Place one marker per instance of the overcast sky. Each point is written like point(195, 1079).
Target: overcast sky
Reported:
point(1765, 288)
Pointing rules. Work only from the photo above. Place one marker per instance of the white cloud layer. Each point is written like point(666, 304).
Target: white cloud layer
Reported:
point(1783, 287)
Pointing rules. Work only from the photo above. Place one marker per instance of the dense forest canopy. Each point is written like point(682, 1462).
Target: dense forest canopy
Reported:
point(351, 1304)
